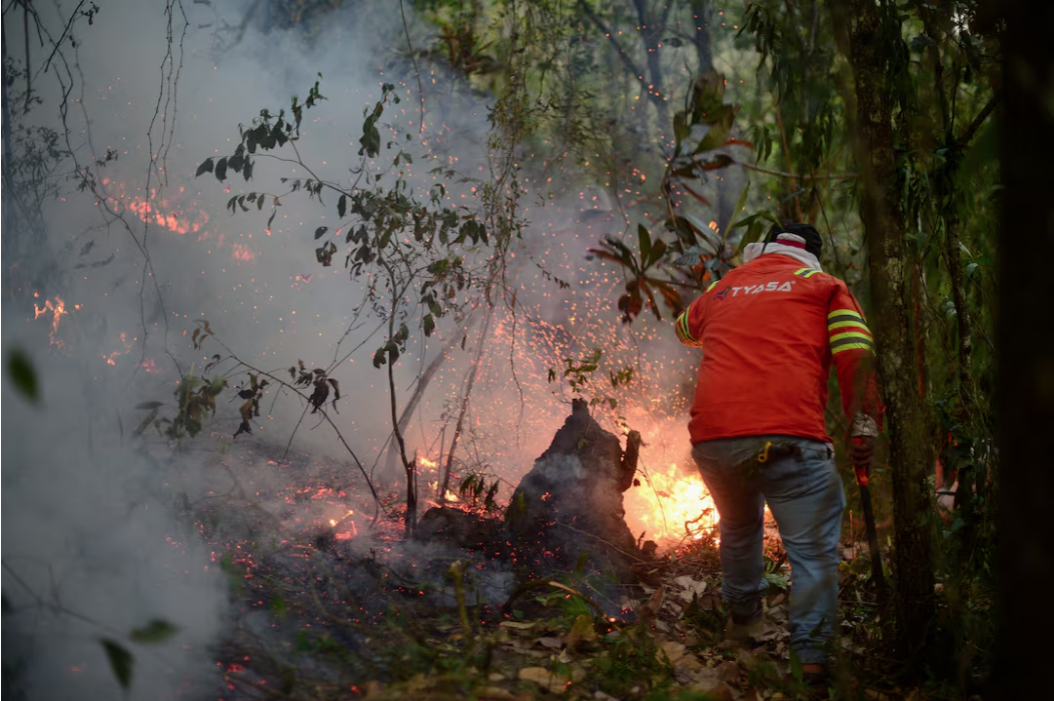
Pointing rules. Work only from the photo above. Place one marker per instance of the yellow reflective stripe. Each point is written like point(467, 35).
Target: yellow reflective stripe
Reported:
point(852, 346)
point(845, 312)
point(850, 334)
point(683, 333)
point(843, 324)
point(682, 327)
point(677, 327)
point(799, 271)
point(711, 285)
point(810, 273)
point(806, 272)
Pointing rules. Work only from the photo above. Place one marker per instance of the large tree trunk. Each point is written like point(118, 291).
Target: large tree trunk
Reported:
point(1026, 358)
point(884, 227)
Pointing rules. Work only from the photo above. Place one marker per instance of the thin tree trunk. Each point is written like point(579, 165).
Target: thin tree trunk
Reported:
point(703, 51)
point(963, 317)
point(10, 235)
point(444, 484)
point(409, 467)
point(652, 29)
point(884, 227)
point(1025, 337)
point(423, 380)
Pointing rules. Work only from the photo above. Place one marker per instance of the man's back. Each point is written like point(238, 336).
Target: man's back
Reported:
point(769, 330)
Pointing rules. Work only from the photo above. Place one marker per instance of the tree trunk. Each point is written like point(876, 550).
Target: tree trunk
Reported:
point(444, 481)
point(884, 227)
point(701, 39)
point(1026, 361)
point(652, 29)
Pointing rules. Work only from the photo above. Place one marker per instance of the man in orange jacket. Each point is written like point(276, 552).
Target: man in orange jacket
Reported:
point(769, 331)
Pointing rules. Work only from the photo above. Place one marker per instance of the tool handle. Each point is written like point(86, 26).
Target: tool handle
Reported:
point(862, 471)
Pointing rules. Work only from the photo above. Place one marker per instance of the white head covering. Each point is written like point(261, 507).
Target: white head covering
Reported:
point(753, 250)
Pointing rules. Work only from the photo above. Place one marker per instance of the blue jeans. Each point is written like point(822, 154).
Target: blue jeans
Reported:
point(804, 492)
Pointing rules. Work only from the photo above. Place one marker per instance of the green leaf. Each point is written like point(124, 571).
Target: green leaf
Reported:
point(740, 203)
point(121, 662)
point(342, 205)
point(720, 127)
point(754, 232)
point(644, 238)
point(680, 129)
point(429, 324)
point(22, 374)
point(205, 167)
point(708, 94)
point(221, 169)
point(145, 424)
point(156, 631)
point(320, 231)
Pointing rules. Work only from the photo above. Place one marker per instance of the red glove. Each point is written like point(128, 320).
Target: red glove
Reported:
point(861, 450)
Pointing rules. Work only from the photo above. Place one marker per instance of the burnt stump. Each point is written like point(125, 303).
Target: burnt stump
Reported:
point(568, 509)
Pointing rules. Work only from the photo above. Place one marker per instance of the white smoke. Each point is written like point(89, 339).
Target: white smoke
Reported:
point(93, 513)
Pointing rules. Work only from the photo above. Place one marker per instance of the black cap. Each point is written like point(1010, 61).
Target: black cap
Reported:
point(813, 242)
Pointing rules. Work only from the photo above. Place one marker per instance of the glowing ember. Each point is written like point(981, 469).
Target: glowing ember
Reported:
point(111, 358)
point(57, 310)
point(242, 253)
point(675, 505)
point(164, 214)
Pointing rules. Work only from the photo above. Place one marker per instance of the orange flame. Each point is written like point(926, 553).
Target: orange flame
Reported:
point(163, 213)
point(674, 505)
point(57, 310)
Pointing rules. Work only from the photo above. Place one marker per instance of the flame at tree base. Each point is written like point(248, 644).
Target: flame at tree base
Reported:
point(676, 505)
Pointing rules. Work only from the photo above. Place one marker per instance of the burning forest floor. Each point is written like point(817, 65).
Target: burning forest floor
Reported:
point(326, 605)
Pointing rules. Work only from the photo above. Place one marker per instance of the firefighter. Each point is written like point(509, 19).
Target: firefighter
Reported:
point(769, 331)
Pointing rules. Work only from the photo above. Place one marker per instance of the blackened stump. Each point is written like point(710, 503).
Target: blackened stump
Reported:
point(570, 503)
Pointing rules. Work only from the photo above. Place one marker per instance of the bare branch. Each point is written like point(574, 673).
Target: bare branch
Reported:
point(417, 72)
point(971, 130)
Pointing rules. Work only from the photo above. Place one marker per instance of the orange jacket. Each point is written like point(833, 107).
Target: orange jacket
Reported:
point(769, 331)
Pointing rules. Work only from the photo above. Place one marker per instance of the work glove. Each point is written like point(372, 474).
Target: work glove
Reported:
point(861, 450)
point(862, 436)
